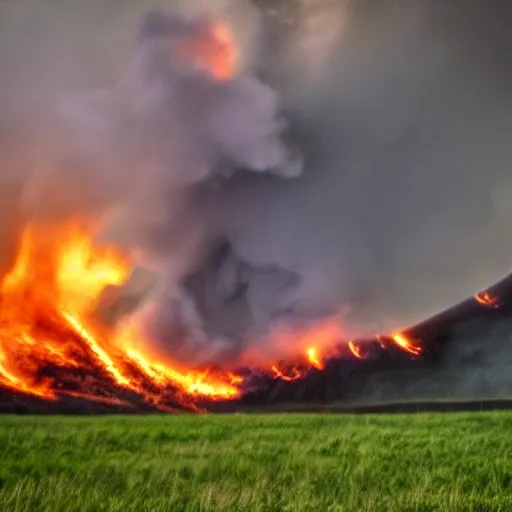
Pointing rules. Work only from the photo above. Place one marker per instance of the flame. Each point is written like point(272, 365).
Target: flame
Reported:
point(401, 340)
point(102, 356)
point(314, 359)
point(11, 381)
point(294, 374)
point(355, 350)
point(46, 321)
point(487, 299)
point(213, 50)
point(194, 383)
point(50, 336)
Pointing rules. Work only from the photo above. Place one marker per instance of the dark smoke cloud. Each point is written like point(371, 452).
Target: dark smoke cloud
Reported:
point(402, 110)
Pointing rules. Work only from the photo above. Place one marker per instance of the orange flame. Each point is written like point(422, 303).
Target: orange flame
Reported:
point(487, 299)
point(48, 325)
point(407, 345)
point(295, 374)
point(46, 319)
point(314, 359)
point(355, 349)
point(214, 50)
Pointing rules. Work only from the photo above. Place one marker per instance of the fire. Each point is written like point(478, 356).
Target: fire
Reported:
point(10, 381)
point(194, 383)
point(47, 321)
point(355, 350)
point(293, 374)
point(102, 356)
point(403, 342)
point(214, 50)
point(314, 359)
point(487, 299)
point(50, 337)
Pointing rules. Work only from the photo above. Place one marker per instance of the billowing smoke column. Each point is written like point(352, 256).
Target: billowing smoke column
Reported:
point(177, 125)
point(402, 113)
point(404, 202)
point(152, 153)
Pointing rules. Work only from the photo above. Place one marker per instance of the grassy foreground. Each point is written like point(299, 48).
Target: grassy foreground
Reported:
point(424, 462)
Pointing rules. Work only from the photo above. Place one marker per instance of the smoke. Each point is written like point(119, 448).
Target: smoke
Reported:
point(149, 152)
point(404, 206)
point(402, 113)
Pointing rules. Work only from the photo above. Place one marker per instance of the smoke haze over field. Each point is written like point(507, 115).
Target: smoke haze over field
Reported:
point(401, 111)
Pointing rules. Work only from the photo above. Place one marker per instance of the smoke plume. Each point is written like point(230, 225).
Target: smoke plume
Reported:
point(404, 118)
point(401, 114)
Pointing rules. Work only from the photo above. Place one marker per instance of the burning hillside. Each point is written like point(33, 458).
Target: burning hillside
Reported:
point(173, 239)
point(53, 344)
point(49, 337)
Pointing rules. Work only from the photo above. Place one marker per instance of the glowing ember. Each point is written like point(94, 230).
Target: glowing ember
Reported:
point(402, 341)
point(487, 299)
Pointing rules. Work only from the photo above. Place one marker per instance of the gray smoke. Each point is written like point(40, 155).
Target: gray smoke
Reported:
point(405, 121)
point(402, 113)
point(149, 153)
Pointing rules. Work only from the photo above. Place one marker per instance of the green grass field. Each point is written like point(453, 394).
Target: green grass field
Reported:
point(424, 462)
